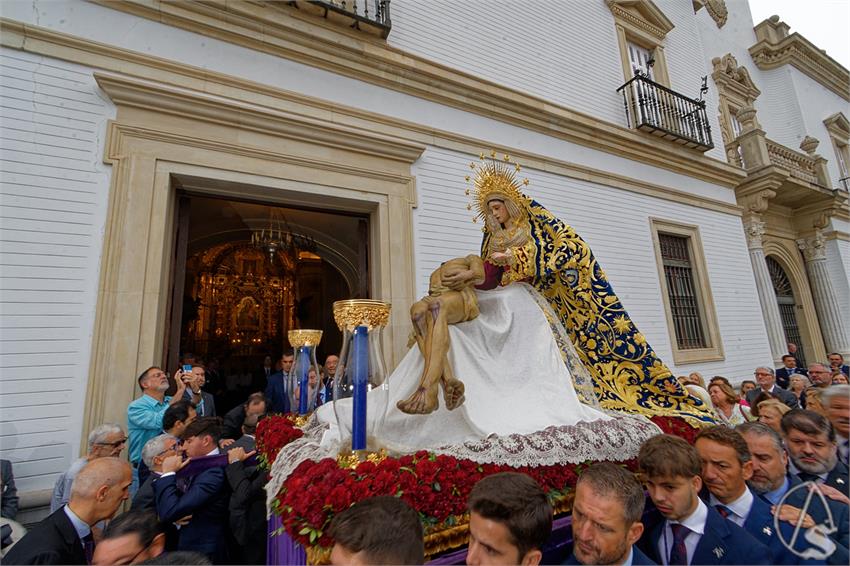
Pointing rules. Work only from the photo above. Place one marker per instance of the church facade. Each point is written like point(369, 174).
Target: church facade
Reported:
point(717, 207)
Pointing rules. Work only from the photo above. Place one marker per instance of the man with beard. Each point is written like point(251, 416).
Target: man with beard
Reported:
point(771, 481)
point(836, 401)
point(144, 415)
point(607, 511)
point(687, 531)
point(810, 440)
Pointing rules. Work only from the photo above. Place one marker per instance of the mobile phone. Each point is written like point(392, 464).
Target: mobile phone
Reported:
point(187, 368)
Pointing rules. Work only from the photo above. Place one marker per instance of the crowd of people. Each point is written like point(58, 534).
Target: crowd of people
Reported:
point(768, 485)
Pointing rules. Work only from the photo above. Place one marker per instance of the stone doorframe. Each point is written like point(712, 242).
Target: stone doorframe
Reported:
point(166, 137)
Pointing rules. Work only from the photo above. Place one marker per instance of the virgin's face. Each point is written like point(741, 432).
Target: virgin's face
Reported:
point(499, 211)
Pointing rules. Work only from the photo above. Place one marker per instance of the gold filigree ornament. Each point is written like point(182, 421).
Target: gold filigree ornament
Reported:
point(352, 313)
point(299, 338)
point(351, 459)
point(496, 179)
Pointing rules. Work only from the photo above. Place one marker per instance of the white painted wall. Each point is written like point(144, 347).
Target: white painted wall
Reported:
point(616, 224)
point(562, 51)
point(53, 191)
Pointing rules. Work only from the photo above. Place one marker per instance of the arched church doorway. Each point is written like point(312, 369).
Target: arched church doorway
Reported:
point(247, 273)
point(787, 306)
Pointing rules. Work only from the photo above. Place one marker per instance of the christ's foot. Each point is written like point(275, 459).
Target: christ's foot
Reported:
point(422, 402)
point(453, 390)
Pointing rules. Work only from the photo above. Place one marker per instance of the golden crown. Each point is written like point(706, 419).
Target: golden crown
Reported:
point(494, 178)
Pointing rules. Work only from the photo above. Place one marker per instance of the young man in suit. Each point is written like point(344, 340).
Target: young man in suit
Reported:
point(377, 530)
point(247, 505)
point(726, 467)
point(771, 481)
point(688, 532)
point(607, 513)
point(204, 499)
point(276, 391)
point(65, 536)
point(789, 368)
point(510, 520)
point(132, 538)
point(810, 440)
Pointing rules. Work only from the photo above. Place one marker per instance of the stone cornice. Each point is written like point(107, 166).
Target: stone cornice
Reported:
point(641, 14)
point(311, 41)
point(772, 51)
point(184, 81)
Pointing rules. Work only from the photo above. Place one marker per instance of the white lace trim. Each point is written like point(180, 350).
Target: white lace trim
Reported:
point(613, 440)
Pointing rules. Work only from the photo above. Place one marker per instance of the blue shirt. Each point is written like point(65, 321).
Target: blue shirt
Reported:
point(80, 526)
point(144, 421)
point(776, 495)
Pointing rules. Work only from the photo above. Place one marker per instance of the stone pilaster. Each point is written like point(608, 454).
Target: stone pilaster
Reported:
point(826, 303)
point(754, 230)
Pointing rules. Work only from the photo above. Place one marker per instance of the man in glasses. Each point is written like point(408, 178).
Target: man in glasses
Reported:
point(154, 453)
point(131, 538)
point(107, 440)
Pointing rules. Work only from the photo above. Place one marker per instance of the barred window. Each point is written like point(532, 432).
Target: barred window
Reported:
point(682, 292)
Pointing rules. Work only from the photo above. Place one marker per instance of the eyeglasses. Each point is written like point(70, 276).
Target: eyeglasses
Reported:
point(112, 444)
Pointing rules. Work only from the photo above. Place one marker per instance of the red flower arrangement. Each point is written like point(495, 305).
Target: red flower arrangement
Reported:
point(437, 486)
point(273, 433)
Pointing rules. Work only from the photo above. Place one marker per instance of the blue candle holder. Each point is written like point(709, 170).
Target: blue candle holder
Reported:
point(303, 380)
point(361, 391)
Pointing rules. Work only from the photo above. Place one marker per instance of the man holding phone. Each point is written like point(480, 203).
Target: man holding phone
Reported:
point(196, 378)
point(144, 415)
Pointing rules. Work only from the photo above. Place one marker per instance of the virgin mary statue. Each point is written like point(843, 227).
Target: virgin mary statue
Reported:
point(524, 242)
point(548, 343)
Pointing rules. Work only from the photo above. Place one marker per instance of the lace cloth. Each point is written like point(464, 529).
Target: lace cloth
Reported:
point(614, 440)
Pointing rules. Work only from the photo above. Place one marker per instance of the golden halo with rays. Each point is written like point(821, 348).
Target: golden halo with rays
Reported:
point(494, 178)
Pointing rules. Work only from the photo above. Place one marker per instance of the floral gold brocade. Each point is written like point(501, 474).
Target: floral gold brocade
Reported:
point(627, 374)
point(361, 312)
point(299, 338)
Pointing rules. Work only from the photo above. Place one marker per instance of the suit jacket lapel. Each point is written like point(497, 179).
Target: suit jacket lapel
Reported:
point(69, 535)
point(712, 547)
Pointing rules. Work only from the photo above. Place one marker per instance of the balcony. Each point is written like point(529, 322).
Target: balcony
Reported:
point(656, 109)
point(369, 16)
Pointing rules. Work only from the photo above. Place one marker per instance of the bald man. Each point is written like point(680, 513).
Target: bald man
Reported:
point(64, 537)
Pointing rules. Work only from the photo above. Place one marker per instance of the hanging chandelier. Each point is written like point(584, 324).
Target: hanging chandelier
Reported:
point(278, 236)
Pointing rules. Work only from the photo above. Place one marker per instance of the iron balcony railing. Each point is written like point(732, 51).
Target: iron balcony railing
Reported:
point(654, 108)
point(371, 16)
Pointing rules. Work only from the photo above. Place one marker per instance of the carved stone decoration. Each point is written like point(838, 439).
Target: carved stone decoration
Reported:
point(754, 230)
point(814, 248)
point(758, 202)
point(718, 11)
point(809, 144)
point(732, 76)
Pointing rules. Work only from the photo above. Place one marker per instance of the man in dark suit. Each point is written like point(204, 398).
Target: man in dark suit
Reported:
point(836, 362)
point(65, 536)
point(766, 379)
point(247, 441)
point(811, 444)
point(607, 513)
point(726, 465)
point(247, 505)
point(686, 531)
point(131, 538)
point(789, 368)
point(9, 491)
point(771, 482)
point(232, 427)
point(154, 453)
point(204, 402)
point(277, 397)
point(205, 497)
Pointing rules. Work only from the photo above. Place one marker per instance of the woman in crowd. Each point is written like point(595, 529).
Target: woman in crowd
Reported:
point(770, 412)
point(727, 404)
point(798, 384)
point(813, 402)
point(746, 386)
point(839, 378)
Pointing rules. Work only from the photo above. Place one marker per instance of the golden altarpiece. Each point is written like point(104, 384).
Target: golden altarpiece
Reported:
point(243, 299)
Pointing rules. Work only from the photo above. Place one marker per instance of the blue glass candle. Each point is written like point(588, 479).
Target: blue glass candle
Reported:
point(361, 384)
point(303, 380)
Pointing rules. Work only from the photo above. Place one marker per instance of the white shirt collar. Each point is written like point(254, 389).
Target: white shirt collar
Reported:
point(213, 452)
point(630, 557)
point(696, 520)
point(740, 507)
